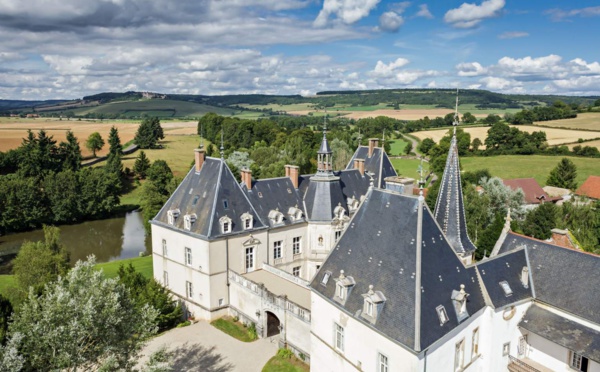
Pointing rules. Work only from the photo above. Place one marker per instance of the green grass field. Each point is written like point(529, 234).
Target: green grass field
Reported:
point(397, 146)
point(409, 167)
point(233, 329)
point(280, 364)
point(526, 166)
point(154, 107)
point(141, 264)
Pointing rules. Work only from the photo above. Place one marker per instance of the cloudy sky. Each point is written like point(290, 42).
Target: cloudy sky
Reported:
point(72, 48)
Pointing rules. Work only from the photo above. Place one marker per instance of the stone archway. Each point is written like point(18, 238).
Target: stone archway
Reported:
point(273, 324)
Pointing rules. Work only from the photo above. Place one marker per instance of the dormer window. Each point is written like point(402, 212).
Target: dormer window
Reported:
point(225, 224)
point(276, 217)
point(343, 287)
point(295, 213)
point(506, 288)
point(525, 277)
point(188, 220)
point(373, 304)
point(247, 221)
point(442, 315)
point(459, 300)
point(172, 216)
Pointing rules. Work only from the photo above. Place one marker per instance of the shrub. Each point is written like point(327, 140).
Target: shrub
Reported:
point(252, 331)
point(284, 353)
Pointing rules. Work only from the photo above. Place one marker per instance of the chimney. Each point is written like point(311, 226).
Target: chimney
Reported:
point(294, 175)
point(360, 165)
point(287, 170)
point(373, 142)
point(247, 179)
point(199, 155)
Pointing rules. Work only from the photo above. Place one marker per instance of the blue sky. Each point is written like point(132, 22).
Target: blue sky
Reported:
point(72, 48)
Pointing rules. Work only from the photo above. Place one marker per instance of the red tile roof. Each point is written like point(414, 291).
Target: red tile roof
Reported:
point(590, 188)
point(534, 194)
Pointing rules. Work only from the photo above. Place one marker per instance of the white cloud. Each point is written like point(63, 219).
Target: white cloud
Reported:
point(496, 83)
point(512, 35)
point(383, 70)
point(470, 69)
point(348, 11)
point(470, 15)
point(559, 14)
point(424, 12)
point(390, 21)
point(68, 65)
point(541, 65)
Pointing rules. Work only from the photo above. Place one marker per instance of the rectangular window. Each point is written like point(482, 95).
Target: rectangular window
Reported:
point(459, 355)
point(296, 245)
point(296, 270)
point(339, 337)
point(165, 278)
point(369, 308)
point(326, 278)
point(250, 259)
point(522, 345)
point(578, 362)
point(341, 291)
point(247, 224)
point(226, 227)
point(188, 256)
point(442, 315)
point(383, 363)
point(277, 249)
point(221, 301)
point(188, 289)
point(475, 350)
point(338, 234)
point(164, 247)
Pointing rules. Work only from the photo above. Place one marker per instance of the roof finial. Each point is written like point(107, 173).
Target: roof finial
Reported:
point(359, 137)
point(421, 181)
point(383, 139)
point(455, 122)
point(222, 148)
point(201, 135)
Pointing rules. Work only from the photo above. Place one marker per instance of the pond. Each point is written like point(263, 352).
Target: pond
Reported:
point(110, 239)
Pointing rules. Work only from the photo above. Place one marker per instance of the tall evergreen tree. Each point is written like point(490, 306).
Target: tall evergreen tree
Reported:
point(114, 141)
point(540, 221)
point(148, 133)
point(563, 175)
point(70, 153)
point(141, 165)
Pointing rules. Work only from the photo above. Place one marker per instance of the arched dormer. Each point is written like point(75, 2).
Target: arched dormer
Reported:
point(276, 217)
point(188, 221)
point(226, 224)
point(295, 213)
point(172, 216)
point(247, 221)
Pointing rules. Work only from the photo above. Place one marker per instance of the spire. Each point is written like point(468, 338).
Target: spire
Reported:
point(383, 139)
point(449, 208)
point(324, 154)
point(455, 122)
point(222, 148)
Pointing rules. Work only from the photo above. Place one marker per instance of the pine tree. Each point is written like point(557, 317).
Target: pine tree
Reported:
point(115, 142)
point(71, 153)
point(141, 165)
point(148, 133)
point(563, 175)
point(540, 221)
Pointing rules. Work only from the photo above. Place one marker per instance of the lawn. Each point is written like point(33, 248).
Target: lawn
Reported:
point(397, 146)
point(525, 166)
point(409, 167)
point(282, 364)
point(141, 264)
point(234, 329)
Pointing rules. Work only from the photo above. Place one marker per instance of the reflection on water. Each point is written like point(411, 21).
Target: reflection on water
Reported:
point(109, 240)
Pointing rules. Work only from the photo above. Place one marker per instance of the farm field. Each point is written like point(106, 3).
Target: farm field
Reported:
point(154, 107)
point(553, 135)
point(526, 166)
point(595, 143)
point(586, 120)
point(12, 131)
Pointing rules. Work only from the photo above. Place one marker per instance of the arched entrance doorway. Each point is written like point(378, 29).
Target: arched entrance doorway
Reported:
point(272, 324)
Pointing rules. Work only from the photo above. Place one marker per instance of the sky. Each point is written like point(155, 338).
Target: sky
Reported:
point(64, 49)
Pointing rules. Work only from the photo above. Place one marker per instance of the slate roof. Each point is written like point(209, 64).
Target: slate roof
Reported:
point(322, 197)
point(378, 165)
point(324, 149)
point(211, 194)
point(505, 268)
point(590, 188)
point(271, 194)
point(449, 207)
point(567, 333)
point(557, 274)
point(379, 248)
point(534, 194)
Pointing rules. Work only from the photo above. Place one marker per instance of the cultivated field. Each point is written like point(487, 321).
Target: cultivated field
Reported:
point(587, 120)
point(583, 144)
point(554, 136)
point(12, 131)
point(526, 166)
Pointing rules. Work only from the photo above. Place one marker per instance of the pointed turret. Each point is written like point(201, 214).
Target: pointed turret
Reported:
point(324, 156)
point(449, 208)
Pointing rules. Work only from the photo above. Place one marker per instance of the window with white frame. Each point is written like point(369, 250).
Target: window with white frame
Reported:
point(164, 247)
point(341, 291)
point(522, 345)
point(475, 349)
point(172, 216)
point(165, 278)
point(188, 256)
point(578, 362)
point(277, 249)
point(442, 315)
point(249, 259)
point(296, 270)
point(506, 288)
point(339, 337)
point(459, 355)
point(225, 224)
point(188, 289)
point(338, 234)
point(383, 363)
point(369, 308)
point(247, 221)
point(296, 245)
point(188, 220)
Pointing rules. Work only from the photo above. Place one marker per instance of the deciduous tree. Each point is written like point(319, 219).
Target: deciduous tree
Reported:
point(94, 143)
